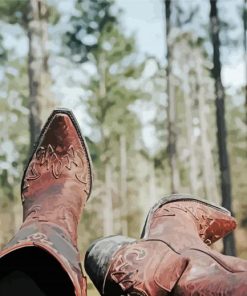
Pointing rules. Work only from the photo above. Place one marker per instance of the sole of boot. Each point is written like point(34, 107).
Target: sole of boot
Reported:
point(82, 141)
point(173, 198)
point(98, 259)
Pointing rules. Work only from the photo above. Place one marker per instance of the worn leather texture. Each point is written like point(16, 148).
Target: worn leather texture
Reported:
point(139, 269)
point(212, 222)
point(211, 273)
point(173, 257)
point(55, 187)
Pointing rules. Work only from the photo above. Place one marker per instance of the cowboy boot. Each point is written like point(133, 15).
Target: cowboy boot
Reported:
point(131, 268)
point(55, 187)
point(208, 272)
point(186, 223)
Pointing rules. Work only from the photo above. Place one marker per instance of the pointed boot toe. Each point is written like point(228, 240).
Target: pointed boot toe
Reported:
point(212, 222)
point(55, 187)
point(99, 255)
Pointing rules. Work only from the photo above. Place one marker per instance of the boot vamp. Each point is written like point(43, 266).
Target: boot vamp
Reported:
point(209, 275)
point(230, 263)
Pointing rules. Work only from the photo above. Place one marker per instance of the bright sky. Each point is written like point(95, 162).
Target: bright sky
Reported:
point(145, 19)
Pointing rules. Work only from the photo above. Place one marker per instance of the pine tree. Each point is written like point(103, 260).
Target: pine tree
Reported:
point(109, 109)
point(32, 16)
point(226, 191)
point(171, 106)
point(112, 56)
point(38, 72)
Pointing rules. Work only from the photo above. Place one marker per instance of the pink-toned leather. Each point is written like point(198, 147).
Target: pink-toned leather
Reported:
point(173, 257)
point(211, 273)
point(209, 222)
point(184, 225)
point(55, 188)
point(144, 268)
point(57, 181)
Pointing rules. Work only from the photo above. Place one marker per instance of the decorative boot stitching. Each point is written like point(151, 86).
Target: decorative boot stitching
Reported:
point(124, 273)
point(48, 159)
point(202, 219)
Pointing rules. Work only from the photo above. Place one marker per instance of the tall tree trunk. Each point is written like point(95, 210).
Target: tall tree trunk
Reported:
point(171, 108)
point(193, 167)
point(107, 204)
point(229, 243)
point(39, 78)
point(208, 170)
point(123, 185)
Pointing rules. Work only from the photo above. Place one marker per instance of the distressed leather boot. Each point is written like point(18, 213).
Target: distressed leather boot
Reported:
point(188, 225)
point(55, 187)
point(153, 265)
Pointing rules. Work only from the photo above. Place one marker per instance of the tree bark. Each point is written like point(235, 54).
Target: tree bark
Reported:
point(193, 167)
point(108, 200)
point(123, 185)
point(171, 109)
point(208, 170)
point(229, 243)
point(38, 72)
point(108, 207)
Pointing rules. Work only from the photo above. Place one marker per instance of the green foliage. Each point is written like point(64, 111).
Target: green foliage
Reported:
point(111, 100)
point(112, 54)
point(91, 19)
point(17, 12)
point(13, 136)
point(14, 11)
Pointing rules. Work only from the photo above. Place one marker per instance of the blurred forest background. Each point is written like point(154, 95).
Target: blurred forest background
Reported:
point(155, 123)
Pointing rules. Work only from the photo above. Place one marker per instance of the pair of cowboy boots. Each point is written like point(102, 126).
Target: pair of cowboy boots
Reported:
point(171, 258)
